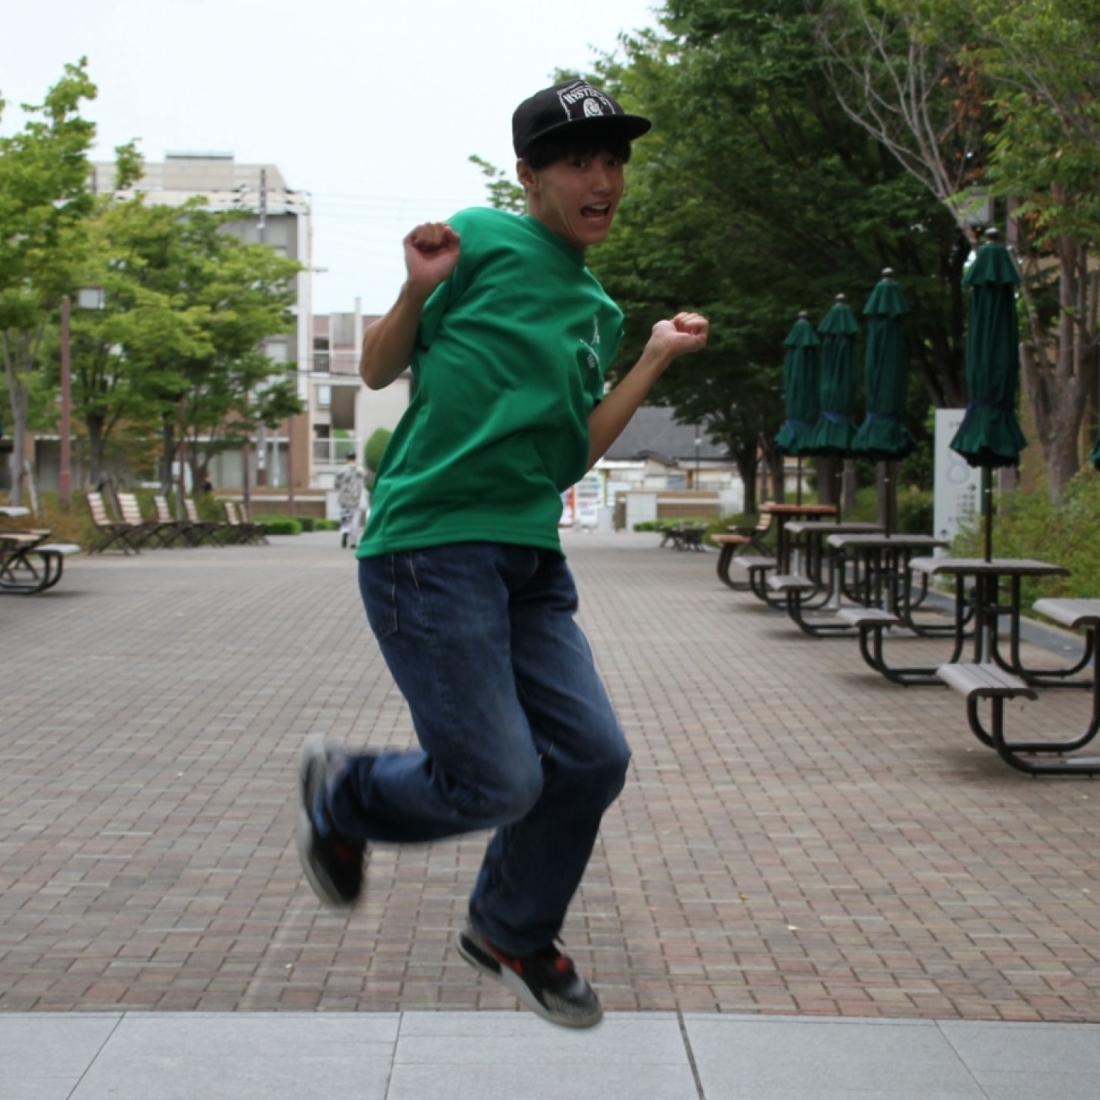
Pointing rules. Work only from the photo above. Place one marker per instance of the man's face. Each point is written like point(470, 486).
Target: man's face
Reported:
point(576, 197)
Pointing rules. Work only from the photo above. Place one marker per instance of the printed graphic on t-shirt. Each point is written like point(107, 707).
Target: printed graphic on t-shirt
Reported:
point(591, 348)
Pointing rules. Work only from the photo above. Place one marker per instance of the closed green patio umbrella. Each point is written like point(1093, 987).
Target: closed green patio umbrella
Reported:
point(990, 434)
point(1094, 458)
point(883, 435)
point(835, 431)
point(800, 390)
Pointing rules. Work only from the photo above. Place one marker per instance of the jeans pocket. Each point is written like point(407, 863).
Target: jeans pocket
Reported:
point(378, 587)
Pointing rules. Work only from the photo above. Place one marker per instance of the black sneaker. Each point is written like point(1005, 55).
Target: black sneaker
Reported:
point(546, 981)
point(333, 865)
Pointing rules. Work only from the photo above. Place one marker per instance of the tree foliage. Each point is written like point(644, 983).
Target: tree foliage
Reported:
point(756, 196)
point(44, 202)
point(1005, 93)
point(177, 350)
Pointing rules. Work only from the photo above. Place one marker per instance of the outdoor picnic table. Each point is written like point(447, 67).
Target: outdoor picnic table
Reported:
point(990, 681)
point(28, 563)
point(783, 514)
point(880, 569)
point(809, 535)
point(988, 578)
point(13, 511)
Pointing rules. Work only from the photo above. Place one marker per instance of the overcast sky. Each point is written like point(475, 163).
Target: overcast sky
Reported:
point(373, 106)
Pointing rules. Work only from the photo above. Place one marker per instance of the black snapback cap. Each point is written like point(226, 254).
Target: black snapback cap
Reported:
point(571, 103)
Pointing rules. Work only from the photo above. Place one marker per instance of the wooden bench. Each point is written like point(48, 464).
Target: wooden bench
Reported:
point(727, 547)
point(125, 536)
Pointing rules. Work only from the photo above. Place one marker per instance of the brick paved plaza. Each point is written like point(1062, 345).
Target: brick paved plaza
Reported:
point(797, 836)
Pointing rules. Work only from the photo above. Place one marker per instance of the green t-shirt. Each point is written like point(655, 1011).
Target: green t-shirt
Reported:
point(509, 361)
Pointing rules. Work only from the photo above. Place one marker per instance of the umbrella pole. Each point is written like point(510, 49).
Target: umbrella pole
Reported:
point(888, 489)
point(987, 511)
point(798, 484)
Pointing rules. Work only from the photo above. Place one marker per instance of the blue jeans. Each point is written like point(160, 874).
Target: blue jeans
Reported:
point(517, 733)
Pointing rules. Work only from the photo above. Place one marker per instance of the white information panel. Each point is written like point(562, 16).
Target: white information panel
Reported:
point(958, 486)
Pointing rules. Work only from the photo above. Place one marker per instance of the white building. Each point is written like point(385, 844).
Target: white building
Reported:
point(344, 414)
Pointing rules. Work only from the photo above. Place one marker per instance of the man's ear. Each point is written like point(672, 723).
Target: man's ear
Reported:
point(525, 174)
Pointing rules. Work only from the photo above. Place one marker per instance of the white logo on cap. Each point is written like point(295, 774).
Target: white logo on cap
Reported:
point(591, 100)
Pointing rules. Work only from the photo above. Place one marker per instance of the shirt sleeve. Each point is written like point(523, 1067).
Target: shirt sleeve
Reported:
point(450, 290)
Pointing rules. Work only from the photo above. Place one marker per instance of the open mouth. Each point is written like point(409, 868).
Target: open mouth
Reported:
point(596, 210)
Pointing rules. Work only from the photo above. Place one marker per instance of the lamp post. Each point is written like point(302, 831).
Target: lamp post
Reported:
point(91, 297)
point(65, 473)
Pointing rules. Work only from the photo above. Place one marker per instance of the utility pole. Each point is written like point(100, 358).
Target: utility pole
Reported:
point(261, 431)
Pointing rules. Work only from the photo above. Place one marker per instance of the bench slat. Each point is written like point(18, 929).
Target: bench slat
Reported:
point(754, 561)
point(988, 681)
point(791, 582)
point(868, 616)
point(1067, 612)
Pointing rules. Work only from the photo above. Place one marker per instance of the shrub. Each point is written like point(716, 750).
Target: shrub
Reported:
point(1031, 525)
point(280, 525)
point(916, 511)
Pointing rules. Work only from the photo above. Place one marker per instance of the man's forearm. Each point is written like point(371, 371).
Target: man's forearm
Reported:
point(608, 419)
point(388, 343)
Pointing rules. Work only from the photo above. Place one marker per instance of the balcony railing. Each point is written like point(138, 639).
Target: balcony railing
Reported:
point(331, 452)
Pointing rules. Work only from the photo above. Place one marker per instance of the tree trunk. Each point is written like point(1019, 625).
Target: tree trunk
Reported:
point(848, 486)
point(774, 461)
point(747, 464)
point(169, 452)
point(17, 395)
point(97, 446)
point(1058, 380)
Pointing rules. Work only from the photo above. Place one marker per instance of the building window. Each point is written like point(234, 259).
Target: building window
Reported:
point(324, 396)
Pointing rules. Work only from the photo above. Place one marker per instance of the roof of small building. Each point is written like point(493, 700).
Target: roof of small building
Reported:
point(654, 433)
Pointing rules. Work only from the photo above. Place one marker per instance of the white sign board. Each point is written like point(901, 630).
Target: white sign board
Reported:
point(957, 485)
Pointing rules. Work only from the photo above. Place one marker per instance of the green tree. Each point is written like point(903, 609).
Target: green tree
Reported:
point(243, 294)
point(44, 204)
point(755, 196)
point(1005, 93)
point(374, 449)
point(119, 352)
point(504, 192)
point(1043, 63)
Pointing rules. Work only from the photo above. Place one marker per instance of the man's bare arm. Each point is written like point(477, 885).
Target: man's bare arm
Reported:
point(431, 252)
point(685, 333)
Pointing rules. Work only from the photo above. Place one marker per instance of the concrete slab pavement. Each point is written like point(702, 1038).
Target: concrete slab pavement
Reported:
point(501, 1056)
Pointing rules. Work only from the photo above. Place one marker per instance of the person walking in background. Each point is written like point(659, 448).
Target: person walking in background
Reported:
point(461, 570)
point(350, 482)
